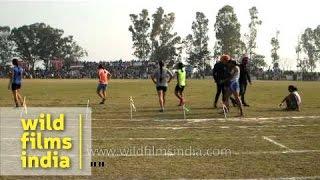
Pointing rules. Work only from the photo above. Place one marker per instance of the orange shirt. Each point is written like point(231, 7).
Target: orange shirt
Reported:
point(103, 76)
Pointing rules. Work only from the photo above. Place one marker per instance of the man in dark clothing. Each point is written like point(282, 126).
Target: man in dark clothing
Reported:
point(220, 72)
point(244, 78)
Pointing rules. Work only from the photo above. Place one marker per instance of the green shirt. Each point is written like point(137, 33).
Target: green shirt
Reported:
point(181, 77)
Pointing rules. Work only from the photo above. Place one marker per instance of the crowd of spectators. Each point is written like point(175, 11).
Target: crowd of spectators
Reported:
point(143, 69)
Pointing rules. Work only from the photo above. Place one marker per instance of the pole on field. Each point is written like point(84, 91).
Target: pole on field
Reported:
point(24, 108)
point(132, 106)
point(87, 110)
point(224, 108)
point(185, 110)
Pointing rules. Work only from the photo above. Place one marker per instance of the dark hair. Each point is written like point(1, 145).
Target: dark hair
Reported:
point(100, 66)
point(292, 88)
point(232, 63)
point(15, 62)
point(161, 64)
point(180, 66)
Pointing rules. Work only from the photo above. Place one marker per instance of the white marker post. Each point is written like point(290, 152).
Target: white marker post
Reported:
point(185, 110)
point(132, 106)
point(87, 110)
point(24, 108)
point(224, 108)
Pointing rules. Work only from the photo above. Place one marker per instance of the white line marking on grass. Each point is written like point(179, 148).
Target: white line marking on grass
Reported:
point(298, 177)
point(227, 153)
point(276, 143)
point(153, 138)
point(187, 127)
point(212, 119)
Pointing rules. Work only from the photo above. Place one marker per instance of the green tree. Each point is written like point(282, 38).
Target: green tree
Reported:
point(257, 60)
point(308, 42)
point(140, 31)
point(7, 46)
point(253, 25)
point(227, 30)
point(199, 53)
point(274, 51)
point(164, 41)
point(39, 41)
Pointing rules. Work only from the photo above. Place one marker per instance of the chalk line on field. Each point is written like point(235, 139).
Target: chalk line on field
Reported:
point(187, 127)
point(210, 119)
point(276, 143)
point(225, 153)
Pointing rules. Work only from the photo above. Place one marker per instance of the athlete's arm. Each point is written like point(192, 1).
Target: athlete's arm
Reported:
point(153, 79)
point(178, 79)
point(109, 75)
point(11, 74)
point(283, 101)
point(171, 76)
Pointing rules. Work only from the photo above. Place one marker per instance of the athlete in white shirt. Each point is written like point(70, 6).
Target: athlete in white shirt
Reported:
point(293, 100)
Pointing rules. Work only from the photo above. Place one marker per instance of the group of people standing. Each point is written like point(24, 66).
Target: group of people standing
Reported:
point(231, 79)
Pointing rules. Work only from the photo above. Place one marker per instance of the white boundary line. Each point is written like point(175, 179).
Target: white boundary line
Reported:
point(197, 155)
point(276, 143)
point(188, 127)
point(211, 119)
point(173, 138)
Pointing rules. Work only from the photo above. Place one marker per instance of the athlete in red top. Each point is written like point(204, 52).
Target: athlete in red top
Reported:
point(104, 77)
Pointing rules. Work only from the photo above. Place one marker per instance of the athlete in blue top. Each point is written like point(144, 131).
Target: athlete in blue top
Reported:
point(15, 82)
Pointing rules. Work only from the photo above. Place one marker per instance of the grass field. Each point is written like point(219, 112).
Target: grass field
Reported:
point(267, 143)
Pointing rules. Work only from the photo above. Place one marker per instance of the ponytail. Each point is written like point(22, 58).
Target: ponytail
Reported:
point(161, 70)
point(180, 66)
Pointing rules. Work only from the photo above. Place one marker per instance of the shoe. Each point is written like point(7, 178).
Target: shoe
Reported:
point(245, 104)
point(103, 100)
point(161, 110)
point(234, 102)
point(215, 105)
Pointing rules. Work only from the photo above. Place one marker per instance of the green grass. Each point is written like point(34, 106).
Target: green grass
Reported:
point(251, 156)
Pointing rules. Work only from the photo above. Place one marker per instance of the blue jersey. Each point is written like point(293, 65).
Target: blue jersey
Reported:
point(17, 75)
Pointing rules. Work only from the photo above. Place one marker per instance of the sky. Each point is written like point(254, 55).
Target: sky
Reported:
point(101, 26)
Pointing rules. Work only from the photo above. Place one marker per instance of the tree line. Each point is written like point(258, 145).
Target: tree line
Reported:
point(38, 42)
point(154, 39)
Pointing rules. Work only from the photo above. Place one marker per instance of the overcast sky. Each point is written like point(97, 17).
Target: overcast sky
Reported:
point(101, 26)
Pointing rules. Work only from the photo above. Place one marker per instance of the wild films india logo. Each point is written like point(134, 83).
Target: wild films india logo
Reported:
point(45, 141)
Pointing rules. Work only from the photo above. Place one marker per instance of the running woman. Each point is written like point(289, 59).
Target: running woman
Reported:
point(15, 82)
point(104, 77)
point(161, 78)
point(181, 83)
point(233, 87)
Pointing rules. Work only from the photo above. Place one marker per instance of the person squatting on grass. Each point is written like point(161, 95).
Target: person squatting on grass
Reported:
point(104, 77)
point(161, 78)
point(15, 82)
point(293, 100)
point(232, 85)
point(244, 79)
point(181, 83)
